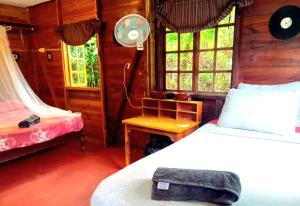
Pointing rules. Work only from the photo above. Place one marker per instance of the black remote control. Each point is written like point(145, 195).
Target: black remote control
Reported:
point(28, 122)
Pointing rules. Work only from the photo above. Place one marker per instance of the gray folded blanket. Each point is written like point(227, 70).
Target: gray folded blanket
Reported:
point(219, 187)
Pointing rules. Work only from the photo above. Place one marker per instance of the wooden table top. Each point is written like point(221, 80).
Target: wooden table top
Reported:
point(161, 123)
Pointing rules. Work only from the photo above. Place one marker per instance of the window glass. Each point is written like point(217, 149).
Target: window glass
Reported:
point(83, 64)
point(172, 62)
point(229, 18)
point(207, 38)
point(200, 62)
point(206, 60)
point(186, 61)
point(171, 41)
point(205, 82)
point(224, 60)
point(171, 79)
point(222, 82)
point(186, 41)
point(186, 81)
point(225, 36)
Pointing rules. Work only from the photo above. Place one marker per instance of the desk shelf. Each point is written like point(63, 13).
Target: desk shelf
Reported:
point(148, 102)
point(179, 110)
point(175, 119)
point(148, 111)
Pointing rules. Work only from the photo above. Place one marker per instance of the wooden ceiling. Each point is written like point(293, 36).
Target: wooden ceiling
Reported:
point(22, 3)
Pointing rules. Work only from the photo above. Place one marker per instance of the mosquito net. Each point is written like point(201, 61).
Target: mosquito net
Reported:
point(17, 100)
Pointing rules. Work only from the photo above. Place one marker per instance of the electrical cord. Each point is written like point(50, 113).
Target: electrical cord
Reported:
point(126, 66)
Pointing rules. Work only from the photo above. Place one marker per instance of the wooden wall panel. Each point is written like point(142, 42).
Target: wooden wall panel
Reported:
point(19, 41)
point(89, 103)
point(264, 59)
point(115, 57)
point(79, 10)
point(50, 73)
point(13, 14)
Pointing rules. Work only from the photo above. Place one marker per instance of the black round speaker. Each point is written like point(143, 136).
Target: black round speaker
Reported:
point(285, 22)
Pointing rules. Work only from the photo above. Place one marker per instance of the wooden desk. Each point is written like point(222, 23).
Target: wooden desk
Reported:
point(175, 129)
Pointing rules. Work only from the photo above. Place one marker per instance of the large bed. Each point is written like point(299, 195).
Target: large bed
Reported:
point(267, 165)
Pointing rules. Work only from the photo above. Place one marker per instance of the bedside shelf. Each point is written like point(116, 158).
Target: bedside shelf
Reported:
point(186, 111)
point(179, 110)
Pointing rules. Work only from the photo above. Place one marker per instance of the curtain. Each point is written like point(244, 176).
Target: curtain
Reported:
point(195, 15)
point(79, 33)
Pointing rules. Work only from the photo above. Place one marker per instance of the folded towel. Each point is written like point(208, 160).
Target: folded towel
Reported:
point(32, 120)
point(219, 187)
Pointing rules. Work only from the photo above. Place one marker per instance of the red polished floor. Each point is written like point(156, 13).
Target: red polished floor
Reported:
point(61, 176)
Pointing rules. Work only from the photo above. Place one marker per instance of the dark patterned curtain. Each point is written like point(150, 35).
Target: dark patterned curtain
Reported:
point(79, 33)
point(195, 15)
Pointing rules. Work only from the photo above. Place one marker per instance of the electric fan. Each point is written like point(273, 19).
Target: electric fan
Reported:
point(132, 31)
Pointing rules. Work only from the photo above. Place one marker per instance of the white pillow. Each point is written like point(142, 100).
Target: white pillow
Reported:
point(289, 87)
point(270, 112)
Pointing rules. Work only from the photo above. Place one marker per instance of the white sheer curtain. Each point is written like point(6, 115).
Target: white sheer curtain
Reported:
point(16, 96)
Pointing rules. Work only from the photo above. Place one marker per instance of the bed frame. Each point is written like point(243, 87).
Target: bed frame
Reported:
point(20, 152)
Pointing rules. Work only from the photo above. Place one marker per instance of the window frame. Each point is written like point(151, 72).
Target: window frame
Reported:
point(71, 72)
point(196, 53)
point(68, 73)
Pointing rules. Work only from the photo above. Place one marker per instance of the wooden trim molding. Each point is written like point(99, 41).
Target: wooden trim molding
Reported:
point(82, 89)
point(236, 49)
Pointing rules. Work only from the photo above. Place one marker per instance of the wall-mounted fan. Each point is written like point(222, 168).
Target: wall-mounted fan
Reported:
point(132, 31)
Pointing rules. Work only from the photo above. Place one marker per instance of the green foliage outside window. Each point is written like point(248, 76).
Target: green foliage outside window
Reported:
point(214, 61)
point(84, 64)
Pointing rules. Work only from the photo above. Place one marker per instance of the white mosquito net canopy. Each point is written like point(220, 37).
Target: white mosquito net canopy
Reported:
point(17, 100)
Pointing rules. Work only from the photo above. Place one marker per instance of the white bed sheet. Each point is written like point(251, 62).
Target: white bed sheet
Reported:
point(267, 164)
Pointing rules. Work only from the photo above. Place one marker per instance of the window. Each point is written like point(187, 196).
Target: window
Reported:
point(202, 61)
point(83, 66)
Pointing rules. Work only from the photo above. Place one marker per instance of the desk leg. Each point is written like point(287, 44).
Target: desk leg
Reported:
point(127, 145)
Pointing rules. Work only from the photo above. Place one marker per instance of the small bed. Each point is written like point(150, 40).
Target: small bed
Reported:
point(15, 141)
point(266, 164)
point(18, 102)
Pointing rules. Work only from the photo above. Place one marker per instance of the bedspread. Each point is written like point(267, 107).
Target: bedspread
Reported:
point(266, 164)
point(11, 136)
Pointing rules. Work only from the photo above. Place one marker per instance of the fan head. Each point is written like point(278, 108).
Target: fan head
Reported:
point(132, 31)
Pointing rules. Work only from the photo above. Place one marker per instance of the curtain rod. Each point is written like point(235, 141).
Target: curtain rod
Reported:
point(12, 25)
point(7, 28)
point(40, 50)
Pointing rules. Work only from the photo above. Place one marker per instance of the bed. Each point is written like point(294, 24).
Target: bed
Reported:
point(266, 164)
point(18, 102)
point(16, 142)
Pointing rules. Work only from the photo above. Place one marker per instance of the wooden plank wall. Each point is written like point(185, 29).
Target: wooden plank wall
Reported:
point(115, 57)
point(49, 73)
point(13, 14)
point(264, 59)
point(19, 41)
point(79, 10)
point(89, 103)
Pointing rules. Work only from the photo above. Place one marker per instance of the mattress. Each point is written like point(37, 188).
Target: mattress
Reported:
point(11, 136)
point(266, 164)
